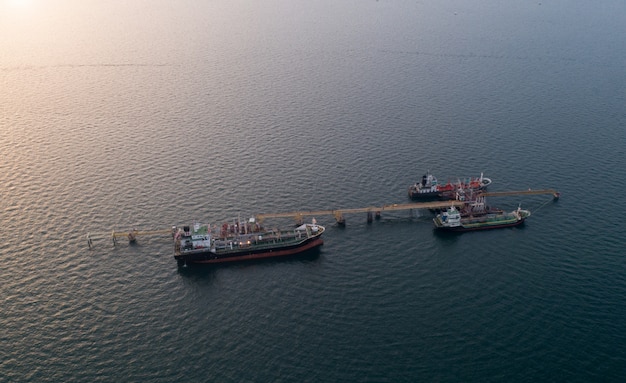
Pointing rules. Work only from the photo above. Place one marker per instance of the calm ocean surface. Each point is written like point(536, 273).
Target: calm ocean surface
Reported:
point(148, 114)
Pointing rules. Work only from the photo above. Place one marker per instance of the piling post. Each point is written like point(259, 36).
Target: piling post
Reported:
point(341, 221)
point(299, 219)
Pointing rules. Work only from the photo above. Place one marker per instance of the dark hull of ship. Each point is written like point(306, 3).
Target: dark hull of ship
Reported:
point(486, 226)
point(208, 257)
point(441, 195)
point(430, 196)
point(436, 196)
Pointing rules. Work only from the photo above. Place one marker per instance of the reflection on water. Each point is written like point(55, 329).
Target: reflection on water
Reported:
point(141, 114)
point(311, 256)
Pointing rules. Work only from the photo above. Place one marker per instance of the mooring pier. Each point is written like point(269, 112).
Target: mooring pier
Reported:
point(520, 192)
point(138, 233)
point(130, 235)
point(338, 214)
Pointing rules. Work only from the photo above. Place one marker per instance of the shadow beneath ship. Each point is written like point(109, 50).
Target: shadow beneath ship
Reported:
point(309, 256)
point(452, 235)
point(447, 236)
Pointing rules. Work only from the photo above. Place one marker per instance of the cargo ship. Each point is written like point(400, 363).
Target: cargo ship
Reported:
point(429, 189)
point(200, 244)
point(452, 220)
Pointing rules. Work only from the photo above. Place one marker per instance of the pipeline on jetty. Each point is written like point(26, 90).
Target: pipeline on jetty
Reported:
point(555, 193)
point(131, 235)
point(337, 213)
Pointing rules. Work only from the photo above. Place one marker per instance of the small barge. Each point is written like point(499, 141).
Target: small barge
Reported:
point(199, 244)
point(452, 220)
point(429, 189)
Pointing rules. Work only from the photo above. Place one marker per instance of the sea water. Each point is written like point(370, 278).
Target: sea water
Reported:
point(146, 114)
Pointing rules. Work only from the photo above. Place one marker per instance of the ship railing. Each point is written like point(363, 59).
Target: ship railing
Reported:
point(265, 244)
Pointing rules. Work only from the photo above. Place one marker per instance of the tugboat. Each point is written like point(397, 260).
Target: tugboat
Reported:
point(429, 189)
point(452, 220)
point(200, 244)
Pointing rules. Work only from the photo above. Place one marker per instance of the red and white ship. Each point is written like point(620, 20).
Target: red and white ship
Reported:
point(429, 189)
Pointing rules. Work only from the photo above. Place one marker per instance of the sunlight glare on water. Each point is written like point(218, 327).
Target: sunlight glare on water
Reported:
point(149, 114)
